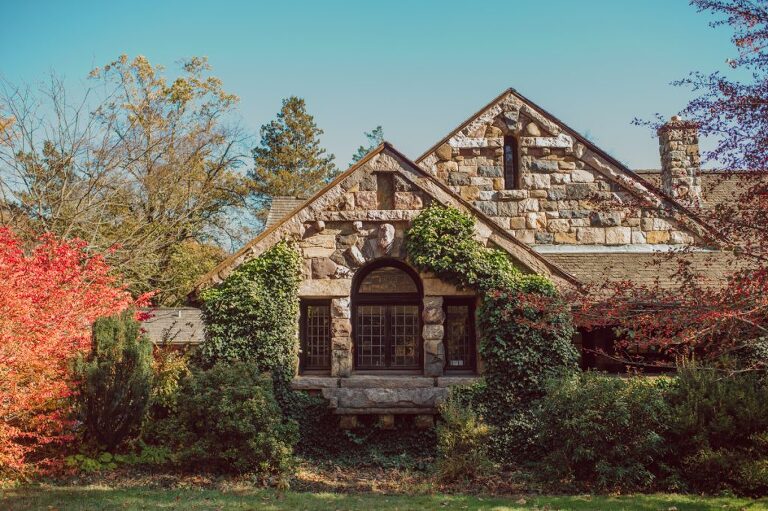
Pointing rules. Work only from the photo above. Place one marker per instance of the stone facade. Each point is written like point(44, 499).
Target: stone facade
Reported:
point(567, 193)
point(681, 161)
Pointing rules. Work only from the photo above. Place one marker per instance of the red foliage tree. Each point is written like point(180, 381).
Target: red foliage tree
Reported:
point(48, 299)
point(695, 318)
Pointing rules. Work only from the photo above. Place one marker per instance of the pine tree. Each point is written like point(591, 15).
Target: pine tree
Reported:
point(116, 380)
point(375, 138)
point(289, 160)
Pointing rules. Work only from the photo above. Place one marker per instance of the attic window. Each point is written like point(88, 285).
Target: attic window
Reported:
point(511, 164)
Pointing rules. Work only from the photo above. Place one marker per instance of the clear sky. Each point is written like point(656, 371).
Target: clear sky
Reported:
point(418, 68)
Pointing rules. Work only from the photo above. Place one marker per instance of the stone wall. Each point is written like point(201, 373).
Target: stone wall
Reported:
point(564, 197)
point(680, 161)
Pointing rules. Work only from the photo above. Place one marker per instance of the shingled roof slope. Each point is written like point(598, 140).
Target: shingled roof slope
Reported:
point(280, 207)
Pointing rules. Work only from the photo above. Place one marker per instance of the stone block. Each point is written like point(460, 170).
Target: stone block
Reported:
point(559, 179)
point(386, 421)
point(444, 152)
point(582, 176)
point(348, 422)
point(528, 205)
point(314, 382)
point(579, 191)
point(558, 225)
point(536, 181)
point(498, 183)
point(386, 382)
point(507, 208)
point(544, 166)
point(638, 237)
point(483, 183)
point(565, 238)
point(490, 208)
point(490, 171)
point(341, 327)
point(458, 178)
point(618, 235)
point(532, 130)
point(318, 252)
point(590, 235)
point(366, 200)
point(535, 220)
point(509, 195)
point(323, 268)
point(355, 256)
point(369, 183)
point(487, 195)
point(556, 192)
point(340, 308)
point(423, 421)
point(525, 235)
point(657, 237)
point(434, 357)
point(341, 362)
point(407, 200)
point(432, 311)
point(544, 238)
point(566, 165)
point(538, 194)
point(517, 222)
point(469, 193)
point(680, 238)
point(655, 224)
point(386, 398)
point(605, 218)
point(433, 332)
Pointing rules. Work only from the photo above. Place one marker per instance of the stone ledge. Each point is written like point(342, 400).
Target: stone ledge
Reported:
point(378, 398)
point(449, 381)
point(314, 382)
point(387, 382)
point(385, 411)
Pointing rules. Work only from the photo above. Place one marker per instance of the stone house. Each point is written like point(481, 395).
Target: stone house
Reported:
point(378, 337)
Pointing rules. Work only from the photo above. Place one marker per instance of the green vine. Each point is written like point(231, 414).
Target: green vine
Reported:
point(525, 328)
point(252, 315)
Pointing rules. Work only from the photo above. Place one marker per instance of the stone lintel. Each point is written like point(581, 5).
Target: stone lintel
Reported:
point(314, 382)
point(387, 382)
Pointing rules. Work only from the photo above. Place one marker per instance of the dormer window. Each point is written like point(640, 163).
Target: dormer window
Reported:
point(511, 164)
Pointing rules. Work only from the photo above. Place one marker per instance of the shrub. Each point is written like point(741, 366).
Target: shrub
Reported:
point(227, 420)
point(604, 432)
point(462, 442)
point(525, 329)
point(116, 380)
point(720, 430)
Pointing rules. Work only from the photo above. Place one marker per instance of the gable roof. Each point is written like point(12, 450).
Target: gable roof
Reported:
point(428, 184)
point(605, 164)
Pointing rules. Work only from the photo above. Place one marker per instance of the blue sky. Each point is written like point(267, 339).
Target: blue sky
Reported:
point(418, 68)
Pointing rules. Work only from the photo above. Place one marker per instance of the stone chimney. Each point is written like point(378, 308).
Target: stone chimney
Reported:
point(680, 160)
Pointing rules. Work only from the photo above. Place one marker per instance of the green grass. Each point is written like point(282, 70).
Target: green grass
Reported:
point(102, 498)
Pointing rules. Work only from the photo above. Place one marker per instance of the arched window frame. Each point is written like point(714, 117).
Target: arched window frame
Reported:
point(386, 299)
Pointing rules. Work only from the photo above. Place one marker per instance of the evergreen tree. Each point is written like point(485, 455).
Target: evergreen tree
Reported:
point(289, 160)
point(375, 138)
point(116, 380)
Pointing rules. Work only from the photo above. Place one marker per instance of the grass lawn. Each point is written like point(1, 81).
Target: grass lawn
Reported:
point(103, 498)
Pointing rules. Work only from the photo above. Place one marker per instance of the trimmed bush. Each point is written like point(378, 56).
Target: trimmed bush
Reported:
point(116, 380)
point(604, 432)
point(227, 420)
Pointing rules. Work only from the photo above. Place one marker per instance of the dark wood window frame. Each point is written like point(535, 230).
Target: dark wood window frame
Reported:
point(511, 163)
point(471, 365)
point(304, 364)
point(387, 300)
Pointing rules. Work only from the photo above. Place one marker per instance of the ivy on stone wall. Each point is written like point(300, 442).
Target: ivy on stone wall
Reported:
point(525, 328)
point(252, 315)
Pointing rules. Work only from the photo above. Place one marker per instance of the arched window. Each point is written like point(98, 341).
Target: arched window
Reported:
point(386, 308)
point(511, 164)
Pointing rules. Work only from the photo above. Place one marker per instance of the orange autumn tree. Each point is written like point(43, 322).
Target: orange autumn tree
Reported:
point(49, 296)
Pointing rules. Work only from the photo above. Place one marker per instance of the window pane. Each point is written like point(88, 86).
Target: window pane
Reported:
point(317, 338)
point(458, 337)
point(405, 335)
point(370, 339)
point(388, 280)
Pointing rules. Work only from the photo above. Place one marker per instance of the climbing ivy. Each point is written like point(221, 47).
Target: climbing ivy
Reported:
point(525, 328)
point(252, 315)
